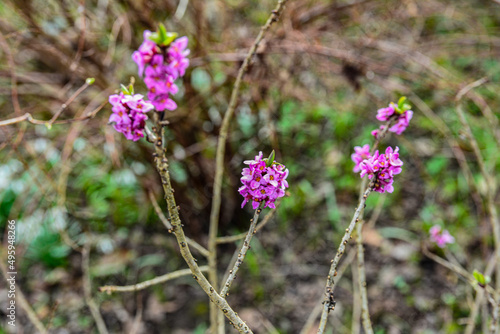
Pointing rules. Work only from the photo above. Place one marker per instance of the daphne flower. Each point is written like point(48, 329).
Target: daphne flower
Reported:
point(145, 52)
point(263, 183)
point(440, 237)
point(376, 132)
point(128, 115)
point(360, 154)
point(162, 102)
point(382, 167)
point(399, 113)
point(402, 122)
point(136, 102)
point(162, 66)
point(384, 114)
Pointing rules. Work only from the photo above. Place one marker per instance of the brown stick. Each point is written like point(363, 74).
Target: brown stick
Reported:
point(143, 285)
point(161, 164)
point(219, 160)
point(328, 302)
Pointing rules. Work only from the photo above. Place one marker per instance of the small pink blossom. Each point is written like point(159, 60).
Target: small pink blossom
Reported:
point(161, 66)
point(376, 132)
point(128, 115)
point(402, 122)
point(162, 102)
point(382, 167)
point(384, 114)
point(145, 53)
point(402, 119)
point(360, 154)
point(440, 237)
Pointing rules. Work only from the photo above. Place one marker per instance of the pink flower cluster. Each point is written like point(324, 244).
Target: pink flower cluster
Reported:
point(402, 119)
point(166, 64)
point(381, 166)
point(129, 114)
point(262, 183)
point(440, 237)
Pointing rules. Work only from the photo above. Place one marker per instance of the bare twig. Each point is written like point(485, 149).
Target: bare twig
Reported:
point(219, 163)
point(489, 179)
point(356, 298)
point(65, 104)
point(456, 269)
point(241, 255)
point(494, 328)
point(453, 144)
point(317, 310)
point(21, 299)
point(29, 118)
point(233, 238)
point(87, 290)
point(329, 300)
point(10, 60)
point(203, 251)
point(365, 313)
point(161, 164)
point(471, 324)
point(143, 285)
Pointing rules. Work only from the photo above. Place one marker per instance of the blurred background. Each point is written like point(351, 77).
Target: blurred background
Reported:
point(312, 94)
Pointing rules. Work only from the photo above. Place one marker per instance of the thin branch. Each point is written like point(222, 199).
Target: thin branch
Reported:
point(489, 179)
point(21, 299)
point(365, 313)
point(155, 281)
point(329, 300)
point(494, 328)
point(456, 269)
point(471, 324)
point(203, 251)
point(65, 104)
point(219, 158)
point(87, 290)
point(233, 238)
point(455, 148)
point(161, 164)
point(356, 299)
point(243, 251)
point(469, 87)
point(12, 65)
point(81, 40)
point(29, 118)
point(317, 310)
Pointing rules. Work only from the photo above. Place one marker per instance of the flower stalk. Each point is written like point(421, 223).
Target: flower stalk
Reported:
point(243, 251)
point(329, 300)
point(161, 164)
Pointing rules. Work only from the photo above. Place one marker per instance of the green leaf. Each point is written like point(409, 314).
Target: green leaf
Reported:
point(162, 33)
point(171, 36)
point(125, 90)
point(270, 160)
point(402, 105)
point(162, 37)
point(479, 278)
point(401, 101)
point(155, 37)
point(90, 81)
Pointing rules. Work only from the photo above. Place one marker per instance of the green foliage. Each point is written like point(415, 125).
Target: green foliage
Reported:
point(111, 194)
point(47, 248)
